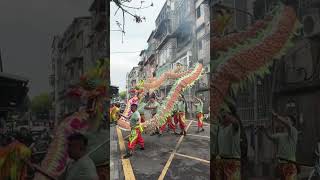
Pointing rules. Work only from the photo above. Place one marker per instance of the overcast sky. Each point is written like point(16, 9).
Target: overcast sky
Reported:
point(135, 39)
point(27, 28)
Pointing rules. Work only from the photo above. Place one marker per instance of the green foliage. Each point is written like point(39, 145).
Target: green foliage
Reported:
point(41, 103)
point(123, 95)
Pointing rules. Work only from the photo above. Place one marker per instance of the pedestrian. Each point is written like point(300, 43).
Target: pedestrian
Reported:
point(114, 113)
point(81, 167)
point(181, 115)
point(286, 141)
point(199, 113)
point(153, 105)
point(227, 163)
point(136, 130)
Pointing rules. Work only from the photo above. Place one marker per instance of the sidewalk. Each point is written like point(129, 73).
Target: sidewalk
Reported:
point(115, 161)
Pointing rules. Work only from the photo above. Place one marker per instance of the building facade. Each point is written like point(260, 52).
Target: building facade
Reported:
point(99, 37)
point(74, 52)
point(133, 78)
point(202, 31)
point(291, 88)
point(180, 36)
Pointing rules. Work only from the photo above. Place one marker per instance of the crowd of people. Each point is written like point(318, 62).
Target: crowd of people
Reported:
point(229, 158)
point(152, 104)
point(79, 166)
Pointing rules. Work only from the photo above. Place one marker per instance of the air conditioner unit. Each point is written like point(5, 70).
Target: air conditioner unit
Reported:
point(311, 23)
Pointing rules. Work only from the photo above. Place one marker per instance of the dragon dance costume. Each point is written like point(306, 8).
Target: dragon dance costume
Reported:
point(199, 113)
point(180, 115)
point(227, 165)
point(286, 150)
point(141, 110)
point(136, 130)
point(169, 124)
point(113, 113)
point(156, 106)
point(11, 161)
point(226, 169)
point(287, 171)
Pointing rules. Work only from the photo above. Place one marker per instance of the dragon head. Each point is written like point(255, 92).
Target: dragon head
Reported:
point(92, 89)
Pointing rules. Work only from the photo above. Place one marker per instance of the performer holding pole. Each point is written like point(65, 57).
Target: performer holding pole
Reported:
point(199, 113)
point(153, 105)
point(170, 126)
point(286, 142)
point(136, 130)
point(181, 115)
point(227, 164)
point(141, 109)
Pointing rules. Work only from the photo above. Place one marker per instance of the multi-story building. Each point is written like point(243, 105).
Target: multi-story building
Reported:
point(133, 78)
point(142, 67)
point(71, 58)
point(202, 31)
point(150, 62)
point(165, 43)
point(76, 51)
point(178, 39)
point(98, 36)
point(184, 32)
point(296, 82)
point(292, 88)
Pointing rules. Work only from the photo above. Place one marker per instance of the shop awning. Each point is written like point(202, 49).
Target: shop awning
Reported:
point(13, 90)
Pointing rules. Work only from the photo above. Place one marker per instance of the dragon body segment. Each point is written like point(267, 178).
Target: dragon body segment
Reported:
point(242, 62)
point(183, 81)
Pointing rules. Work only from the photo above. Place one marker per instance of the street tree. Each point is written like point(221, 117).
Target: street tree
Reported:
point(41, 104)
point(123, 95)
point(126, 8)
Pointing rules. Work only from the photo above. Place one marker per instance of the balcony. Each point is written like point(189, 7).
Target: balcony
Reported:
point(162, 69)
point(163, 15)
point(184, 14)
point(163, 32)
point(150, 52)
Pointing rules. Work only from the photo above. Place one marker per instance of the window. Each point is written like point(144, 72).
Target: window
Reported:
point(198, 12)
point(200, 44)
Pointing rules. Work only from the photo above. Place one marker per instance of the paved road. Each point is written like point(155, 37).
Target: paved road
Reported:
point(167, 157)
